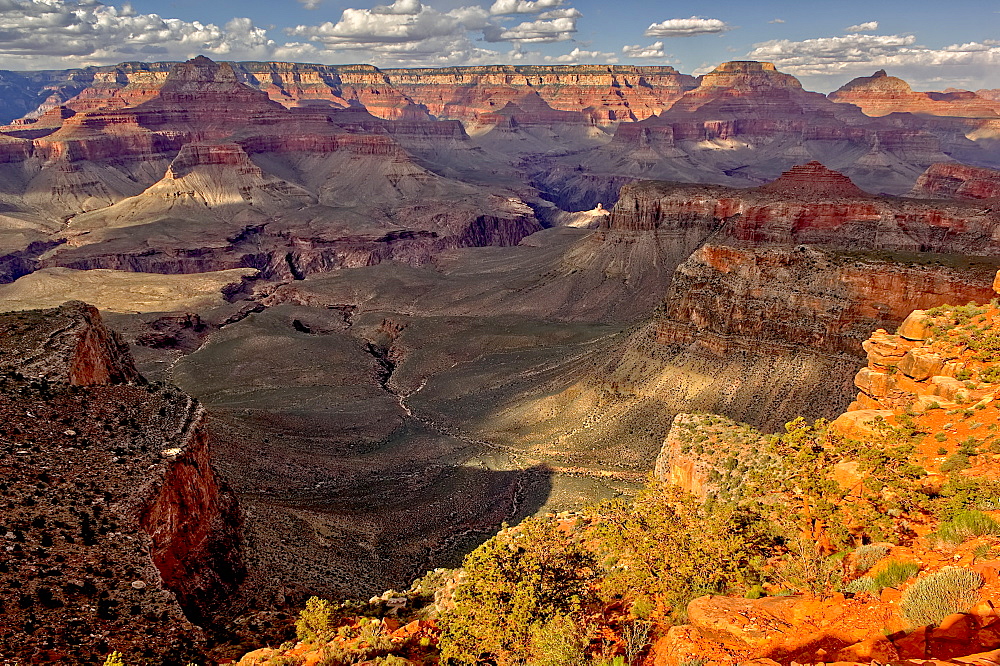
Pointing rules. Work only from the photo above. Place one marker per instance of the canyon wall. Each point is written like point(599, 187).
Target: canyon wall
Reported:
point(144, 535)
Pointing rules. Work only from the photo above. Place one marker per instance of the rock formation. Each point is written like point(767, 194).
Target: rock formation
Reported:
point(119, 534)
point(957, 181)
point(881, 94)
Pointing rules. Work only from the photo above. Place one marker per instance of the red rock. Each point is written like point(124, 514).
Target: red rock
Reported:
point(814, 180)
point(881, 94)
point(957, 181)
point(913, 645)
point(878, 648)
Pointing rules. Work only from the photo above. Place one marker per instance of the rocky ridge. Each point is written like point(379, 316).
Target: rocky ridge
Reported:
point(119, 535)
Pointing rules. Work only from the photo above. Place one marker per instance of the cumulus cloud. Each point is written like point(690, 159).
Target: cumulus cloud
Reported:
point(654, 50)
point(681, 27)
point(502, 7)
point(534, 32)
point(777, 20)
point(870, 26)
point(568, 12)
point(968, 64)
point(578, 55)
point(399, 7)
point(404, 21)
point(65, 33)
point(310, 4)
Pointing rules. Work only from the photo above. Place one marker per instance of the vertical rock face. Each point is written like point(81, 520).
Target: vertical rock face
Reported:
point(74, 347)
point(147, 536)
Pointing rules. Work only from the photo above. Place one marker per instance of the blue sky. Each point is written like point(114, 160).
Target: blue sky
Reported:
point(932, 45)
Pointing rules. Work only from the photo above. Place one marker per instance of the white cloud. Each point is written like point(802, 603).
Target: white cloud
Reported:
point(680, 27)
point(777, 20)
point(399, 7)
point(870, 26)
point(502, 7)
point(405, 21)
point(578, 55)
point(529, 32)
point(310, 4)
point(654, 50)
point(970, 64)
point(568, 12)
point(40, 33)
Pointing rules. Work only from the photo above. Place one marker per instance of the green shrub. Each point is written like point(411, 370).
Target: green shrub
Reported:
point(869, 555)
point(931, 599)
point(316, 621)
point(967, 525)
point(940, 436)
point(955, 462)
point(559, 642)
point(895, 573)
point(514, 582)
point(862, 585)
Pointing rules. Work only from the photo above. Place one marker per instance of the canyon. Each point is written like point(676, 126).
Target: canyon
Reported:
point(411, 306)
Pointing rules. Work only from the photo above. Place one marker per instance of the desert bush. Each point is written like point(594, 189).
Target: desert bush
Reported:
point(956, 462)
point(516, 581)
point(391, 660)
point(636, 638)
point(869, 555)
point(967, 525)
point(316, 621)
point(934, 597)
point(865, 584)
point(895, 573)
point(558, 642)
point(804, 568)
point(672, 548)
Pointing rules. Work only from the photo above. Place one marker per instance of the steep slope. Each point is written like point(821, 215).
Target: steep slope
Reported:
point(120, 533)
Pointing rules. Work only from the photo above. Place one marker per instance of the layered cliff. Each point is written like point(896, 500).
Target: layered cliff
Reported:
point(120, 534)
point(881, 94)
point(810, 204)
point(957, 181)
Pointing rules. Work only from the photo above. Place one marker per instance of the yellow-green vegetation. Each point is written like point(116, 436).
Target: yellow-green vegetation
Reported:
point(515, 584)
point(317, 621)
point(777, 521)
point(967, 525)
point(938, 595)
point(869, 555)
point(114, 659)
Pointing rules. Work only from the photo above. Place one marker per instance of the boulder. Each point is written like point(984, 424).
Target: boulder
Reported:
point(915, 327)
point(921, 364)
point(859, 423)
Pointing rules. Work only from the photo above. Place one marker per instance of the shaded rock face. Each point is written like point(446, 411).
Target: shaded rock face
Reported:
point(109, 489)
point(727, 297)
point(957, 181)
point(811, 204)
point(74, 347)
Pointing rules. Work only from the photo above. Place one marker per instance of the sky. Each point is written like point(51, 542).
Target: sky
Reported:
point(933, 45)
